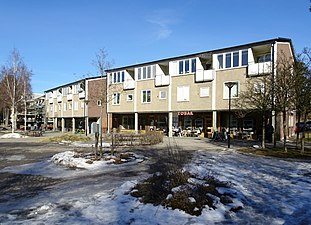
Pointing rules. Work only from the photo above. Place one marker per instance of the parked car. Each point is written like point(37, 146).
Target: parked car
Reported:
point(300, 126)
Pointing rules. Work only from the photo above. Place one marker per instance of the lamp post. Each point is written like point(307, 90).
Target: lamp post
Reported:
point(230, 86)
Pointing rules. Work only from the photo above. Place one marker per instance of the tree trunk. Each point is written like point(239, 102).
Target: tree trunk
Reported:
point(13, 119)
point(303, 134)
point(263, 141)
point(284, 131)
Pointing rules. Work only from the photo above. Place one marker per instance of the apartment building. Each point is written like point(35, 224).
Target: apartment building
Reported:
point(33, 115)
point(77, 106)
point(190, 91)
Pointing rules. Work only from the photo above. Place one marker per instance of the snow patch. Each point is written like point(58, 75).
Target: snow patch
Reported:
point(13, 135)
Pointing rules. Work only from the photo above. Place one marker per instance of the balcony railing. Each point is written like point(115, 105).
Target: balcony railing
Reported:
point(259, 68)
point(161, 80)
point(82, 94)
point(129, 84)
point(69, 97)
point(204, 75)
point(59, 98)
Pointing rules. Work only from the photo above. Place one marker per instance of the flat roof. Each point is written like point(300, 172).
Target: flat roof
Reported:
point(269, 41)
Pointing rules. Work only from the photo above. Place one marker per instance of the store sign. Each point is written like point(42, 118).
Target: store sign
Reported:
point(189, 113)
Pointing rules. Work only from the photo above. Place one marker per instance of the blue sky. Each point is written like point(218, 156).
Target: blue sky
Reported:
point(58, 39)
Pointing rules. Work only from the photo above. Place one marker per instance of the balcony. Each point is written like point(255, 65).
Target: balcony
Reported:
point(259, 68)
point(69, 97)
point(51, 100)
point(82, 94)
point(129, 84)
point(161, 80)
point(59, 98)
point(204, 75)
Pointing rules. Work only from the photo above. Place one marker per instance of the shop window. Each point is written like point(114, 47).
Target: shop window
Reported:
point(248, 124)
point(188, 122)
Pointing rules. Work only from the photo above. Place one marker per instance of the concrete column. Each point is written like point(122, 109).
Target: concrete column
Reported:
point(108, 122)
point(170, 124)
point(214, 120)
point(73, 125)
point(136, 122)
point(55, 124)
point(63, 125)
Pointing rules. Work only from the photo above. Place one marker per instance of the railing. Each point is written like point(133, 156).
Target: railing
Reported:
point(162, 80)
point(59, 98)
point(129, 84)
point(204, 75)
point(69, 97)
point(82, 94)
point(259, 68)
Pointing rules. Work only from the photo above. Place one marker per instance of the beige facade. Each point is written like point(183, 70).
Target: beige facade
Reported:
point(190, 91)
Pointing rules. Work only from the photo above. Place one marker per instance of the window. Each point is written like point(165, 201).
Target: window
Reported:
point(235, 59)
point(181, 67)
point(99, 103)
point(122, 78)
point(114, 77)
point(220, 61)
point(248, 124)
point(65, 106)
point(204, 91)
point(228, 60)
point(244, 57)
point(263, 58)
point(146, 96)
point(70, 106)
point(116, 98)
point(162, 95)
point(234, 90)
point(146, 72)
point(186, 67)
point(118, 77)
point(59, 107)
point(139, 73)
point(183, 93)
point(259, 88)
point(193, 65)
point(76, 106)
point(129, 97)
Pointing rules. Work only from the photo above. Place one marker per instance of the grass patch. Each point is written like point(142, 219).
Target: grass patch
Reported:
point(69, 138)
point(277, 152)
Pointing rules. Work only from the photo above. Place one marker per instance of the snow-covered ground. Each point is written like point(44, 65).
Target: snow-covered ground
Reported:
point(12, 135)
point(271, 191)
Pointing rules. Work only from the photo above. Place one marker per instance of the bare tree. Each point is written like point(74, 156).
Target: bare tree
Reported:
point(256, 97)
point(284, 94)
point(15, 84)
point(302, 90)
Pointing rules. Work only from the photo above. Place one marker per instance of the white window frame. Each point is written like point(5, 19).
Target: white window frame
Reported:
point(76, 106)
point(146, 72)
point(116, 98)
point(183, 93)
point(161, 93)
point(190, 64)
point(235, 91)
point(65, 106)
point(204, 92)
point(128, 98)
point(142, 96)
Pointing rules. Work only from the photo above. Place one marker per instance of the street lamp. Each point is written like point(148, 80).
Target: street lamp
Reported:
point(230, 86)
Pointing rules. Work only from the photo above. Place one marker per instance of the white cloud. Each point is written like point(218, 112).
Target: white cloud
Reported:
point(162, 20)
